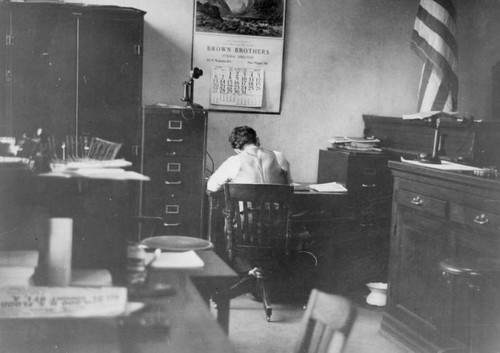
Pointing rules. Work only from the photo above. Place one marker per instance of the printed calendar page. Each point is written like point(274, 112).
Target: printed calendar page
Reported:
point(237, 86)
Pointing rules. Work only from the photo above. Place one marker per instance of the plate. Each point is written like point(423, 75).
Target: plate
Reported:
point(176, 243)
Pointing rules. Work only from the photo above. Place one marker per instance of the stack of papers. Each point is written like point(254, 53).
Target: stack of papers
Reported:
point(329, 187)
point(178, 260)
point(51, 302)
point(17, 267)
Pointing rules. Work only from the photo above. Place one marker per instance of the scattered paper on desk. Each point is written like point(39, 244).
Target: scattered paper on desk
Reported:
point(53, 302)
point(98, 173)
point(445, 165)
point(178, 260)
point(328, 187)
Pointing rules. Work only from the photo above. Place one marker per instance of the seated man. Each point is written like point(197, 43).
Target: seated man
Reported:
point(252, 164)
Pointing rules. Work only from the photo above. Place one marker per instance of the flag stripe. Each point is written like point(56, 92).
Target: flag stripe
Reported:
point(424, 81)
point(439, 55)
point(438, 28)
point(441, 99)
point(426, 52)
point(448, 5)
point(433, 40)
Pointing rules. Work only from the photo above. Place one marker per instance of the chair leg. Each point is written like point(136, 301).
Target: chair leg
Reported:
point(265, 298)
point(245, 285)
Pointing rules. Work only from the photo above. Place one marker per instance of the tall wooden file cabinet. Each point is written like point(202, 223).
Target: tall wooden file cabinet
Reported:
point(71, 69)
point(173, 156)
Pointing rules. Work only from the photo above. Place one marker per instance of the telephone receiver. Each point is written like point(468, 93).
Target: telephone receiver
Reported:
point(189, 85)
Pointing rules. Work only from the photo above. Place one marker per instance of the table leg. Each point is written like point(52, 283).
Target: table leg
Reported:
point(223, 306)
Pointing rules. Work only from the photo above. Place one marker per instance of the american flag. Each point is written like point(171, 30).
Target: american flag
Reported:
point(433, 40)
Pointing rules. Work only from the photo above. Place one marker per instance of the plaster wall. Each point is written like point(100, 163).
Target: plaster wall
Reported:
point(342, 59)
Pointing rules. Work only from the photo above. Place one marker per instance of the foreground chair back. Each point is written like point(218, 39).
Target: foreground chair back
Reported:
point(257, 230)
point(326, 324)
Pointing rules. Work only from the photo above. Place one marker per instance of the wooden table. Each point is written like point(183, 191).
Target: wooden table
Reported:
point(182, 322)
point(215, 277)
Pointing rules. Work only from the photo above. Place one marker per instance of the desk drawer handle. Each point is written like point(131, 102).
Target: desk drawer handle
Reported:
point(417, 201)
point(175, 140)
point(171, 224)
point(481, 219)
point(371, 186)
point(173, 182)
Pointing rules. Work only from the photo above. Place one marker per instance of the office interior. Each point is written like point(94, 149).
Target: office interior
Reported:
point(346, 64)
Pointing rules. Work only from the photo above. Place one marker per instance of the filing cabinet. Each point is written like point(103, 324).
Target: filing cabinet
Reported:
point(357, 244)
point(367, 177)
point(357, 170)
point(173, 156)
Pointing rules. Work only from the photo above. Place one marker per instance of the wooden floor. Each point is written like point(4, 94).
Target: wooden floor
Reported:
point(250, 332)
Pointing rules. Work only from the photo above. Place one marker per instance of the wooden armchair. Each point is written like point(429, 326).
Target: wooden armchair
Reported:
point(258, 240)
point(326, 324)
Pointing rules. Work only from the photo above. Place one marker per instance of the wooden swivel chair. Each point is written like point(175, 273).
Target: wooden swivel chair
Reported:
point(326, 324)
point(257, 230)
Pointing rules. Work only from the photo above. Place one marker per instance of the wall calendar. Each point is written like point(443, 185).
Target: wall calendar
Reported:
point(239, 46)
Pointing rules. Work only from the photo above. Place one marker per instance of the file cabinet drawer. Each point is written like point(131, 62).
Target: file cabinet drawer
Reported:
point(174, 175)
point(423, 203)
point(175, 132)
point(475, 218)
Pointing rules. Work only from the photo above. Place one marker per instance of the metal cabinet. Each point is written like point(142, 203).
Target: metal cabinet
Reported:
point(173, 156)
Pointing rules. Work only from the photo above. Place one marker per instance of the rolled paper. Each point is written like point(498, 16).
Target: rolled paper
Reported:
point(58, 252)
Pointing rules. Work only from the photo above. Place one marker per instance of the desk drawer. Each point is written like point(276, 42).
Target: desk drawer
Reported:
point(477, 219)
point(423, 203)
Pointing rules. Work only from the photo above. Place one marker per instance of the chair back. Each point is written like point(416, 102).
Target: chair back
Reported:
point(326, 324)
point(257, 220)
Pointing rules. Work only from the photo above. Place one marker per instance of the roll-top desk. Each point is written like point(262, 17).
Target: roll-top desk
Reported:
point(438, 215)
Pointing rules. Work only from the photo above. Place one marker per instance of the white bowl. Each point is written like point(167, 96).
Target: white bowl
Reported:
point(378, 293)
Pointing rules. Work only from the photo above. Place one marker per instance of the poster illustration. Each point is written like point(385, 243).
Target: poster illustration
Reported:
point(239, 46)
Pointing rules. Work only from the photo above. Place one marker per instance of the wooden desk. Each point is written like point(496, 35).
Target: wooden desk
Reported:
point(190, 327)
point(350, 244)
point(215, 276)
point(309, 208)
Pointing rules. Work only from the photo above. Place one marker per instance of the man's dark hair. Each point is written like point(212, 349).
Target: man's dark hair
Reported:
point(241, 136)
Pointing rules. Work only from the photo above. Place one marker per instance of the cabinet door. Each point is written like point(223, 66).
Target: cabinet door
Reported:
point(42, 64)
point(4, 70)
point(110, 75)
point(417, 290)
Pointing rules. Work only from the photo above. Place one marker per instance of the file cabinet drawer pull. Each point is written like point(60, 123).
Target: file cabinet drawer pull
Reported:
point(171, 224)
point(371, 186)
point(481, 219)
point(175, 140)
point(173, 182)
point(417, 201)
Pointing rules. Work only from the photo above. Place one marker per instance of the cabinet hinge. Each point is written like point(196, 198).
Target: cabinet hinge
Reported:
point(136, 150)
point(138, 49)
point(9, 40)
